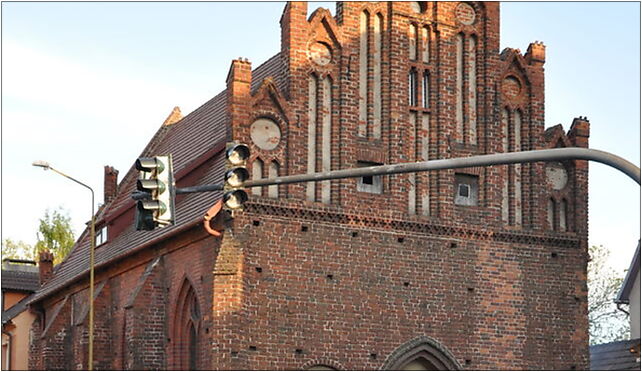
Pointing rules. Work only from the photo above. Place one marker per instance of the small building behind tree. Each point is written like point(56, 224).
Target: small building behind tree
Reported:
point(20, 279)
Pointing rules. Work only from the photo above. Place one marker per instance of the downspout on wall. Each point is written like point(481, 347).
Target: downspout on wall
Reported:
point(9, 335)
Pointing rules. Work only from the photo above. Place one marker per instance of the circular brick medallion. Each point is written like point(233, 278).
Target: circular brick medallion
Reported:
point(415, 6)
point(265, 134)
point(511, 88)
point(556, 175)
point(320, 54)
point(465, 14)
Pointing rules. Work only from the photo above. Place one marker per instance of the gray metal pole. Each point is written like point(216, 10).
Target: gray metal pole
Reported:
point(187, 190)
point(571, 153)
point(92, 249)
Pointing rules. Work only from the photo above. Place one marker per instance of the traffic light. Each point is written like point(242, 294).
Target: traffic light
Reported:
point(156, 184)
point(236, 174)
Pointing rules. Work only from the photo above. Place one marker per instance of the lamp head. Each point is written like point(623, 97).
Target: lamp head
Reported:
point(41, 163)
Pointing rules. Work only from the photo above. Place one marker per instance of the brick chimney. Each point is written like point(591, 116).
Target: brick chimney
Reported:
point(45, 266)
point(111, 183)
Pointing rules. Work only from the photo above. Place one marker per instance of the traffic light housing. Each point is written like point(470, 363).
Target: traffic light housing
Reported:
point(156, 183)
point(236, 173)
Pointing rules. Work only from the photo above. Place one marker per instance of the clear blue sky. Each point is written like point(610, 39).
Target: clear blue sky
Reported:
point(87, 84)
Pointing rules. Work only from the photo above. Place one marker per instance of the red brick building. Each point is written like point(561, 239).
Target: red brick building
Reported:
point(480, 268)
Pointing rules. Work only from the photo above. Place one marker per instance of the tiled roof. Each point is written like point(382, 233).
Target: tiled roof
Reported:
point(619, 355)
point(273, 67)
point(187, 140)
point(20, 280)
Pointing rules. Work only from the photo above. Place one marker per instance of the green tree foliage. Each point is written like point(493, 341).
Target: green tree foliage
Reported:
point(606, 322)
point(55, 235)
point(17, 250)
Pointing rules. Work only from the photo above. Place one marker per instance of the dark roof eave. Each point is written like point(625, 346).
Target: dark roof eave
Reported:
point(15, 310)
point(629, 280)
point(37, 297)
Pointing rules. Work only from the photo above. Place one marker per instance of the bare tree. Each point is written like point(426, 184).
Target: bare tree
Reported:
point(606, 322)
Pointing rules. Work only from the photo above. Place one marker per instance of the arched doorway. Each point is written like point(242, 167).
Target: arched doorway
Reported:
point(421, 354)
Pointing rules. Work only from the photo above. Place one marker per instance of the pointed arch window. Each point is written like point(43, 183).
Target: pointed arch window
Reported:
point(551, 214)
point(326, 136)
point(517, 135)
point(506, 169)
point(312, 134)
point(273, 172)
point(187, 322)
point(563, 211)
point(425, 44)
point(412, 42)
point(459, 79)
point(364, 52)
point(377, 76)
point(257, 174)
point(472, 89)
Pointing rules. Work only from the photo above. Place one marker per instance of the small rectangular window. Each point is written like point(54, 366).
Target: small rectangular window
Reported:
point(101, 236)
point(371, 184)
point(466, 189)
point(426, 90)
point(412, 88)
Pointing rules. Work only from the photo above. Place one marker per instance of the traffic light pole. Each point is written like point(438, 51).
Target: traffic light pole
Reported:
point(572, 153)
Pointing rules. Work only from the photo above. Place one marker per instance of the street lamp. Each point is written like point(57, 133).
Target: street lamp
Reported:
point(45, 166)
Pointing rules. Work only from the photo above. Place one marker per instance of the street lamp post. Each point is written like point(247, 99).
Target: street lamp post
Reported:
point(92, 245)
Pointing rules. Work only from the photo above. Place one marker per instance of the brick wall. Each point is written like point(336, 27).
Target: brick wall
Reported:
point(353, 295)
point(134, 310)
